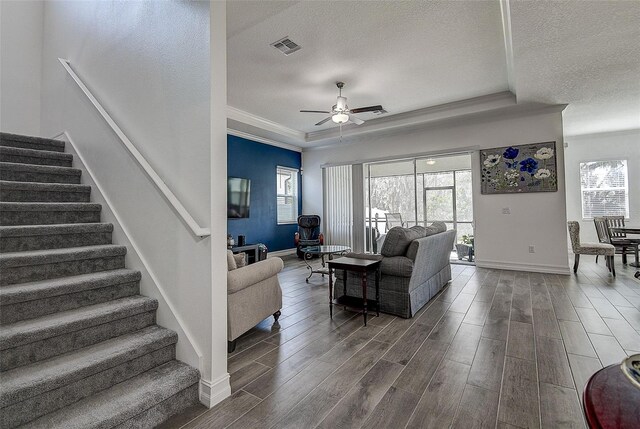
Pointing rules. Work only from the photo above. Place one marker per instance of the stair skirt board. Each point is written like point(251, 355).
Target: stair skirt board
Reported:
point(79, 347)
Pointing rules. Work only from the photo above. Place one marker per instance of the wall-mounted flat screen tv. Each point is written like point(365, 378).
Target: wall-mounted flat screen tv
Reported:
point(238, 193)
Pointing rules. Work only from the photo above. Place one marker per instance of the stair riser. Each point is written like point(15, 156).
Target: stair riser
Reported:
point(38, 350)
point(31, 273)
point(41, 307)
point(47, 217)
point(31, 145)
point(53, 241)
point(161, 412)
point(29, 409)
point(24, 196)
point(25, 159)
point(28, 176)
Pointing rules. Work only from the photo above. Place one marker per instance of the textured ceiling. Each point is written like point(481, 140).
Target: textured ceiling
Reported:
point(403, 55)
point(412, 55)
point(585, 54)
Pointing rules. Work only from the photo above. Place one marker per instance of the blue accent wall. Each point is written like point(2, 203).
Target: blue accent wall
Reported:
point(258, 161)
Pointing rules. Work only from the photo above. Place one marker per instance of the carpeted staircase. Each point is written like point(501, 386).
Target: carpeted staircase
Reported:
point(79, 347)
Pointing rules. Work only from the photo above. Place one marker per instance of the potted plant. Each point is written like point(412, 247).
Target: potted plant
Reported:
point(465, 248)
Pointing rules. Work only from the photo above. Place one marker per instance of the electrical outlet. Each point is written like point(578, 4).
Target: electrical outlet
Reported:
point(532, 249)
point(506, 210)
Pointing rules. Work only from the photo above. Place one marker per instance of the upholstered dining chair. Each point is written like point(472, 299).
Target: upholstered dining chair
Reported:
point(604, 249)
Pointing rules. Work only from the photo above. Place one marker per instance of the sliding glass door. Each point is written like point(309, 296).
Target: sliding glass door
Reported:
point(418, 191)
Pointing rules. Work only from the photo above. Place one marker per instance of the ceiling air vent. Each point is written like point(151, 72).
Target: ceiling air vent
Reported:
point(286, 46)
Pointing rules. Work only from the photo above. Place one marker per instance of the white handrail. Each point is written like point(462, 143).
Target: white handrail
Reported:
point(173, 200)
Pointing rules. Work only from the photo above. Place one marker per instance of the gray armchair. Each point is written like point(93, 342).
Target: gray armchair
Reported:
point(253, 295)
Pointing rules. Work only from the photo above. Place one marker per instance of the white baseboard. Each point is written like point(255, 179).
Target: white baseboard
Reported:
point(514, 266)
point(213, 392)
point(284, 252)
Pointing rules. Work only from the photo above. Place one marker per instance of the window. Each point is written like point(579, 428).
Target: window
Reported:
point(287, 194)
point(605, 189)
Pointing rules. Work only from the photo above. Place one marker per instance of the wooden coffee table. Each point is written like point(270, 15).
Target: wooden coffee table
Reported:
point(610, 400)
point(364, 267)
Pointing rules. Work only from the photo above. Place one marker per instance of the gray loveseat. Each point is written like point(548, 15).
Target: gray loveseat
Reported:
point(415, 266)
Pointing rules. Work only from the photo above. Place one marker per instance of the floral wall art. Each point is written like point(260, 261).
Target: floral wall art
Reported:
point(518, 169)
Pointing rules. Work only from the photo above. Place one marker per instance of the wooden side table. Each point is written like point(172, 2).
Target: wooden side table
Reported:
point(364, 267)
point(610, 400)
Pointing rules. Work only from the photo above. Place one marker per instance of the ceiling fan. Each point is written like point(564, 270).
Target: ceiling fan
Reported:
point(340, 112)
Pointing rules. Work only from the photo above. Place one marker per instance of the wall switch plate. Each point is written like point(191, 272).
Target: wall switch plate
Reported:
point(532, 249)
point(506, 210)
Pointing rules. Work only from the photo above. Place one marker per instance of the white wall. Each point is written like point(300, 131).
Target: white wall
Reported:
point(502, 241)
point(599, 147)
point(148, 63)
point(20, 66)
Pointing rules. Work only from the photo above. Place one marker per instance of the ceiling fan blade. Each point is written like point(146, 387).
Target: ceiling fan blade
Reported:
point(314, 111)
point(324, 120)
point(366, 109)
point(355, 120)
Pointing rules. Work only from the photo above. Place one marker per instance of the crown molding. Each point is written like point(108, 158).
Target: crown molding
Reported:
point(420, 116)
point(260, 139)
point(509, 112)
point(602, 134)
point(265, 124)
point(488, 107)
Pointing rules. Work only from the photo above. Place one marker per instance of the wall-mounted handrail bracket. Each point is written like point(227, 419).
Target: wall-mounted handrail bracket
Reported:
point(171, 198)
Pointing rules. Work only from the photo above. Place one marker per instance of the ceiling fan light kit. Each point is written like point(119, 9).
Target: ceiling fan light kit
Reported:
point(340, 118)
point(340, 112)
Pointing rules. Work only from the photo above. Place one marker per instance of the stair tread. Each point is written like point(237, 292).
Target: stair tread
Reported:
point(30, 291)
point(41, 206)
point(35, 153)
point(123, 401)
point(50, 169)
point(49, 187)
point(28, 331)
point(60, 228)
point(56, 145)
point(46, 256)
point(31, 380)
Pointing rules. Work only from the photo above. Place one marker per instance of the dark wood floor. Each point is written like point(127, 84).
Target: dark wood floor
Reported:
point(495, 349)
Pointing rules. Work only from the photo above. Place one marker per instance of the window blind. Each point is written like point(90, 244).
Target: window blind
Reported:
point(338, 211)
point(287, 195)
point(604, 188)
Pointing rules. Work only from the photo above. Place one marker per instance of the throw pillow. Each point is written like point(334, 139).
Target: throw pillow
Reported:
point(412, 251)
point(231, 261)
point(241, 261)
point(440, 226)
point(420, 230)
point(435, 228)
point(397, 241)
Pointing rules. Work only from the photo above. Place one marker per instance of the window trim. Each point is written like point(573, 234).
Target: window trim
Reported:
point(296, 195)
point(625, 188)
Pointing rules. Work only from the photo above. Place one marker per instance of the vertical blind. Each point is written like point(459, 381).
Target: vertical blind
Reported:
point(287, 194)
point(338, 211)
point(604, 188)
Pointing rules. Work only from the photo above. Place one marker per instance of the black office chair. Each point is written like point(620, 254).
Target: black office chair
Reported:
point(308, 233)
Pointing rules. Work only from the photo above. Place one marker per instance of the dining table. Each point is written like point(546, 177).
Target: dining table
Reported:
point(630, 230)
